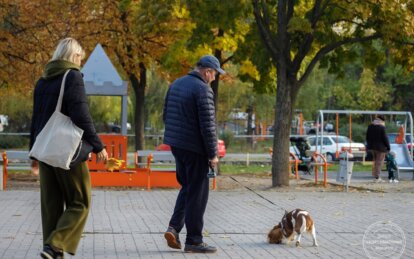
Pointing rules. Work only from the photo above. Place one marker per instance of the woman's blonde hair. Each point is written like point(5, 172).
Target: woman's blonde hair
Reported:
point(67, 49)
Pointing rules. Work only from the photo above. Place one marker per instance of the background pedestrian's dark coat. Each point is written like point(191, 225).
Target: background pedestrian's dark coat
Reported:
point(377, 138)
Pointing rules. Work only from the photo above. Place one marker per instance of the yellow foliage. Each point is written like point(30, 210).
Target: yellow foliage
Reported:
point(226, 43)
point(113, 164)
point(180, 12)
point(248, 68)
point(201, 50)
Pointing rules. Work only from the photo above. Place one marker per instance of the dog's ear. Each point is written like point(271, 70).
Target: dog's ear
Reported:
point(286, 212)
point(275, 236)
point(276, 227)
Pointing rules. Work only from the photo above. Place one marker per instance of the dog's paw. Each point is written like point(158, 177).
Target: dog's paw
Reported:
point(315, 244)
point(297, 243)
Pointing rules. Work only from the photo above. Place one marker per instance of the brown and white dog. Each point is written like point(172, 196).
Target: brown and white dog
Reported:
point(295, 222)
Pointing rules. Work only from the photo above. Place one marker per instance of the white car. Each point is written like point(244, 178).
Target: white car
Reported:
point(331, 144)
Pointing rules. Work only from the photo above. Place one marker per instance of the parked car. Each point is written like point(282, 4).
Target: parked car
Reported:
point(330, 146)
point(221, 148)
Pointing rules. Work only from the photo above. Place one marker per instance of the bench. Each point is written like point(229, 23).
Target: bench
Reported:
point(13, 160)
point(144, 174)
point(160, 166)
point(116, 147)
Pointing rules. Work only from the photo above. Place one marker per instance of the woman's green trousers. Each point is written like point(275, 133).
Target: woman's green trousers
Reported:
point(65, 197)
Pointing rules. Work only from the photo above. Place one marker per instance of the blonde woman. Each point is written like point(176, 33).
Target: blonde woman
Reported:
point(65, 195)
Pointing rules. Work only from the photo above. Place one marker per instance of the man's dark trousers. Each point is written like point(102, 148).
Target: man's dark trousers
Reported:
point(192, 169)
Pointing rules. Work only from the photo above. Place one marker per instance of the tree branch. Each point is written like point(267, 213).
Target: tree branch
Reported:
point(264, 31)
point(328, 48)
point(307, 42)
point(290, 9)
point(404, 42)
point(227, 60)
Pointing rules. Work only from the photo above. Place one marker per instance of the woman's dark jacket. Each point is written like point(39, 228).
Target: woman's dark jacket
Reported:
point(74, 105)
point(189, 116)
point(377, 138)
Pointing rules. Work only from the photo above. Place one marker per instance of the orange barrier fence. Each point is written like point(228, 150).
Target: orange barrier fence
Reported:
point(141, 175)
point(293, 160)
point(145, 174)
point(5, 174)
point(324, 164)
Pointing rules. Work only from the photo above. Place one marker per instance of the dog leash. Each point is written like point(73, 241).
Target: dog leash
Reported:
point(258, 194)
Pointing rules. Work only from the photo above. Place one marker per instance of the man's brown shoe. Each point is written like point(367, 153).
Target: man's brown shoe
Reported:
point(172, 238)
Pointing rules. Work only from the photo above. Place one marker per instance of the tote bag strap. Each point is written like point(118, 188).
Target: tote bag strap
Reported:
point(62, 89)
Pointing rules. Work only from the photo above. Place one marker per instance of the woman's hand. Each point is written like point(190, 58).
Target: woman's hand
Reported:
point(102, 156)
point(35, 167)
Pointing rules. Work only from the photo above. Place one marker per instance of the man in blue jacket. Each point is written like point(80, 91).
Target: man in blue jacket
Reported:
point(190, 130)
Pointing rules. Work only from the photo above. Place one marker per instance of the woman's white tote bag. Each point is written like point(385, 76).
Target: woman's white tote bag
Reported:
point(56, 144)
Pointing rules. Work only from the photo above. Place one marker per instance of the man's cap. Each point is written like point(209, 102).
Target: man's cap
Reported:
point(210, 62)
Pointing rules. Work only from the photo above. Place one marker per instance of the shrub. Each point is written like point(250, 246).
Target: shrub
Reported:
point(227, 136)
point(8, 142)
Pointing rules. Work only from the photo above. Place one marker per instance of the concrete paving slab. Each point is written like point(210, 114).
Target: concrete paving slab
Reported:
point(130, 224)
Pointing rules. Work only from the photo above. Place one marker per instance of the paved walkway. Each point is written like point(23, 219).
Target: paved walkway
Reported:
point(130, 224)
point(364, 180)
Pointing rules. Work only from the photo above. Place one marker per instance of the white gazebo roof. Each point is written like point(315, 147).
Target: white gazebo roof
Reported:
point(101, 78)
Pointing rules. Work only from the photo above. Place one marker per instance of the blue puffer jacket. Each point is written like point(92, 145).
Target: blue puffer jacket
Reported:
point(189, 116)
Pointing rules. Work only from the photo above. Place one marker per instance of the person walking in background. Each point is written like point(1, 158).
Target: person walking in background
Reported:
point(378, 144)
point(190, 130)
point(65, 195)
point(392, 166)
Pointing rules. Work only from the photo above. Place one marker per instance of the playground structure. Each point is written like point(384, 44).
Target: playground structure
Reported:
point(404, 160)
point(403, 156)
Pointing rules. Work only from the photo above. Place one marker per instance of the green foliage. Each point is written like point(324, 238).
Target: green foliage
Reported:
point(227, 169)
point(358, 131)
point(209, 17)
point(154, 101)
point(18, 107)
point(105, 109)
point(265, 82)
point(227, 136)
point(315, 94)
point(13, 142)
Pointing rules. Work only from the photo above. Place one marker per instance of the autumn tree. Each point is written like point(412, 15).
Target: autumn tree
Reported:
point(134, 33)
point(300, 34)
point(219, 27)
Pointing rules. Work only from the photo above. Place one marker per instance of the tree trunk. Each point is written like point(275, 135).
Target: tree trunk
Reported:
point(139, 90)
point(215, 83)
point(283, 121)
